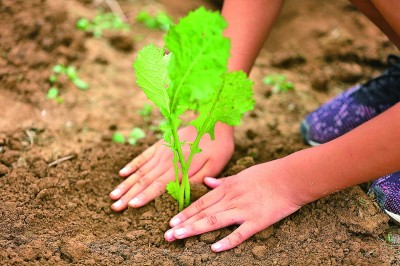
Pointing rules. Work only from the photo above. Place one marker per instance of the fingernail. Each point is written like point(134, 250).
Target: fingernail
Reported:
point(124, 171)
point(134, 202)
point(115, 192)
point(175, 221)
point(212, 179)
point(216, 247)
point(169, 235)
point(117, 204)
point(179, 232)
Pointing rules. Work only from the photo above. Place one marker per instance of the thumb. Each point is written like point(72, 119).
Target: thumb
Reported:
point(213, 182)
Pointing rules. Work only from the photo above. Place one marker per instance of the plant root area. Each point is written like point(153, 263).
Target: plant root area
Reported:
point(58, 162)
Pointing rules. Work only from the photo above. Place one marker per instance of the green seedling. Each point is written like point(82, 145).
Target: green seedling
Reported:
point(145, 112)
point(278, 82)
point(53, 94)
point(72, 75)
point(101, 22)
point(193, 77)
point(118, 138)
point(160, 21)
point(135, 135)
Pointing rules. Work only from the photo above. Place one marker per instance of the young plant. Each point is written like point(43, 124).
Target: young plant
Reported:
point(193, 76)
point(160, 21)
point(53, 94)
point(145, 112)
point(72, 75)
point(102, 21)
point(278, 82)
point(136, 134)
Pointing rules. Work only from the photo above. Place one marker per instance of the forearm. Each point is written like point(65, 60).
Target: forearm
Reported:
point(366, 153)
point(249, 24)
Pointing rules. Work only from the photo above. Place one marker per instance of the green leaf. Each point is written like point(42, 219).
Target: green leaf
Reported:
point(173, 189)
point(118, 138)
point(53, 78)
point(143, 16)
point(199, 57)
point(59, 69)
point(82, 24)
point(137, 133)
point(80, 84)
point(71, 73)
point(152, 76)
point(227, 104)
point(52, 93)
point(160, 21)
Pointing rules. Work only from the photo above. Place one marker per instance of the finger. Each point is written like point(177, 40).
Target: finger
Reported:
point(213, 182)
point(242, 233)
point(138, 187)
point(196, 207)
point(124, 186)
point(208, 223)
point(154, 190)
point(138, 161)
point(202, 171)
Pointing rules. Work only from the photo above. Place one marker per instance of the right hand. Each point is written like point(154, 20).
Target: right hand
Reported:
point(148, 174)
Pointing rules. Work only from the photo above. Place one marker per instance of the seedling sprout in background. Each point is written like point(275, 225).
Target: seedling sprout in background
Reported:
point(101, 22)
point(136, 134)
point(278, 82)
point(72, 75)
point(145, 112)
point(160, 21)
point(118, 138)
point(193, 77)
point(53, 94)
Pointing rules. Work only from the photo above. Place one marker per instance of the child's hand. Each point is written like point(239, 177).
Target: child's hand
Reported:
point(149, 173)
point(255, 198)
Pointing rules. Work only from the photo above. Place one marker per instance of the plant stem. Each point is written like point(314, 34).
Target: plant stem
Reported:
point(178, 149)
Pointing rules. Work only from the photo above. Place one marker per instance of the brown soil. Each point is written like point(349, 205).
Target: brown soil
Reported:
point(59, 213)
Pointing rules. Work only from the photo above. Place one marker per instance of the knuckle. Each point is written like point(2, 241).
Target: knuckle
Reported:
point(236, 238)
point(199, 204)
point(158, 185)
point(140, 172)
point(139, 161)
point(143, 181)
point(212, 220)
point(202, 215)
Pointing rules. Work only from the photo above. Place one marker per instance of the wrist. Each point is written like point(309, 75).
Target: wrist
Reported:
point(305, 177)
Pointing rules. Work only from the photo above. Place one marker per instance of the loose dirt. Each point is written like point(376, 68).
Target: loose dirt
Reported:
point(58, 164)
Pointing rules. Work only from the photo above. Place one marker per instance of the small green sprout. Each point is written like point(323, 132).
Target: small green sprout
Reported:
point(278, 82)
point(101, 22)
point(146, 111)
point(160, 21)
point(135, 134)
point(53, 94)
point(118, 138)
point(72, 75)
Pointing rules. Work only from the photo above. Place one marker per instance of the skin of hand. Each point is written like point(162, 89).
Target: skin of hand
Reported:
point(147, 175)
point(255, 198)
point(263, 194)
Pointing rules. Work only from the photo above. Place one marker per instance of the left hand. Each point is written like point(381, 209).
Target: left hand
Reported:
point(254, 198)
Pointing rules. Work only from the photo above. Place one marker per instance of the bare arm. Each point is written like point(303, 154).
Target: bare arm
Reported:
point(365, 153)
point(249, 24)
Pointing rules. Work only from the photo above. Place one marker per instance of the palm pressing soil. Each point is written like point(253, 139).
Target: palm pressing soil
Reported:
point(57, 163)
